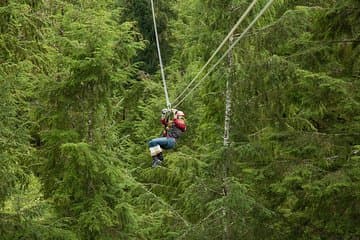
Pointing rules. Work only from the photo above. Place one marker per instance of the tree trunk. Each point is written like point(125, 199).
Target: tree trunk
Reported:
point(227, 139)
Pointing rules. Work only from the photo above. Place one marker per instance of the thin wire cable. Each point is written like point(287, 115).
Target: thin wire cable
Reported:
point(168, 104)
point(219, 47)
point(227, 52)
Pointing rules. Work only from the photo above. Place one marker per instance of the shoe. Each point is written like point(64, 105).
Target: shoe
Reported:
point(160, 156)
point(156, 162)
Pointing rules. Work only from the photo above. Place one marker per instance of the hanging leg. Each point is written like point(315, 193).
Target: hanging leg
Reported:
point(156, 145)
point(160, 156)
point(156, 162)
point(156, 154)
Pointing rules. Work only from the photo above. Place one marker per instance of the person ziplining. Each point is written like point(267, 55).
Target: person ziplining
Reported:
point(172, 119)
point(175, 127)
point(174, 124)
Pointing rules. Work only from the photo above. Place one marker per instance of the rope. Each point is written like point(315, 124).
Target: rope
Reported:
point(200, 222)
point(219, 47)
point(227, 52)
point(164, 203)
point(142, 185)
point(168, 104)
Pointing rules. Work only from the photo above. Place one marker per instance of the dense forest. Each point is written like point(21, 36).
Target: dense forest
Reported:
point(272, 146)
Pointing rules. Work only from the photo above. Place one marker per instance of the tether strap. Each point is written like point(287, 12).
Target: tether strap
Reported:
point(168, 104)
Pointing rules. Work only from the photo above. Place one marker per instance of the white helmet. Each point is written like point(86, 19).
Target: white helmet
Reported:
point(179, 114)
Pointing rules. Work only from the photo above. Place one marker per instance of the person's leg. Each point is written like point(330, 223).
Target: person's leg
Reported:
point(156, 145)
point(170, 143)
point(163, 142)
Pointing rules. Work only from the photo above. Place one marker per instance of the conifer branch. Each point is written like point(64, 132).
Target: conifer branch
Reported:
point(201, 221)
point(164, 203)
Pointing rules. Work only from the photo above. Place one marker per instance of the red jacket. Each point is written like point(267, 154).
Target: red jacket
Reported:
point(174, 128)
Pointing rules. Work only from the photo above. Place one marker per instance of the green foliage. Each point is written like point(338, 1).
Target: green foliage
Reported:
point(80, 99)
point(21, 59)
point(139, 11)
point(294, 117)
point(27, 216)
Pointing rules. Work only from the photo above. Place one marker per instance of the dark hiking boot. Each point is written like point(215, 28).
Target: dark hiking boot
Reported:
point(156, 162)
point(160, 156)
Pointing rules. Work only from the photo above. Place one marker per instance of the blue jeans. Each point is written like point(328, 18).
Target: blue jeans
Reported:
point(164, 142)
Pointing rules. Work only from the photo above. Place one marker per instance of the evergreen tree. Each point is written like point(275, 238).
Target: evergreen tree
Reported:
point(80, 171)
point(290, 127)
point(22, 55)
point(81, 97)
point(139, 11)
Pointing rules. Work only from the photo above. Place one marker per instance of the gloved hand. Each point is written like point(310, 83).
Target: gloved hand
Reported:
point(164, 112)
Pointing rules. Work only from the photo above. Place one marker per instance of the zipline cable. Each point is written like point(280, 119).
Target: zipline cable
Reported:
point(168, 104)
point(142, 185)
point(227, 52)
point(219, 47)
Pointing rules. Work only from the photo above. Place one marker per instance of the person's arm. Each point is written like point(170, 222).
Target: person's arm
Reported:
point(164, 116)
point(165, 121)
point(180, 123)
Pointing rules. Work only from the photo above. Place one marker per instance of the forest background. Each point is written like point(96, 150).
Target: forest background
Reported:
point(81, 96)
